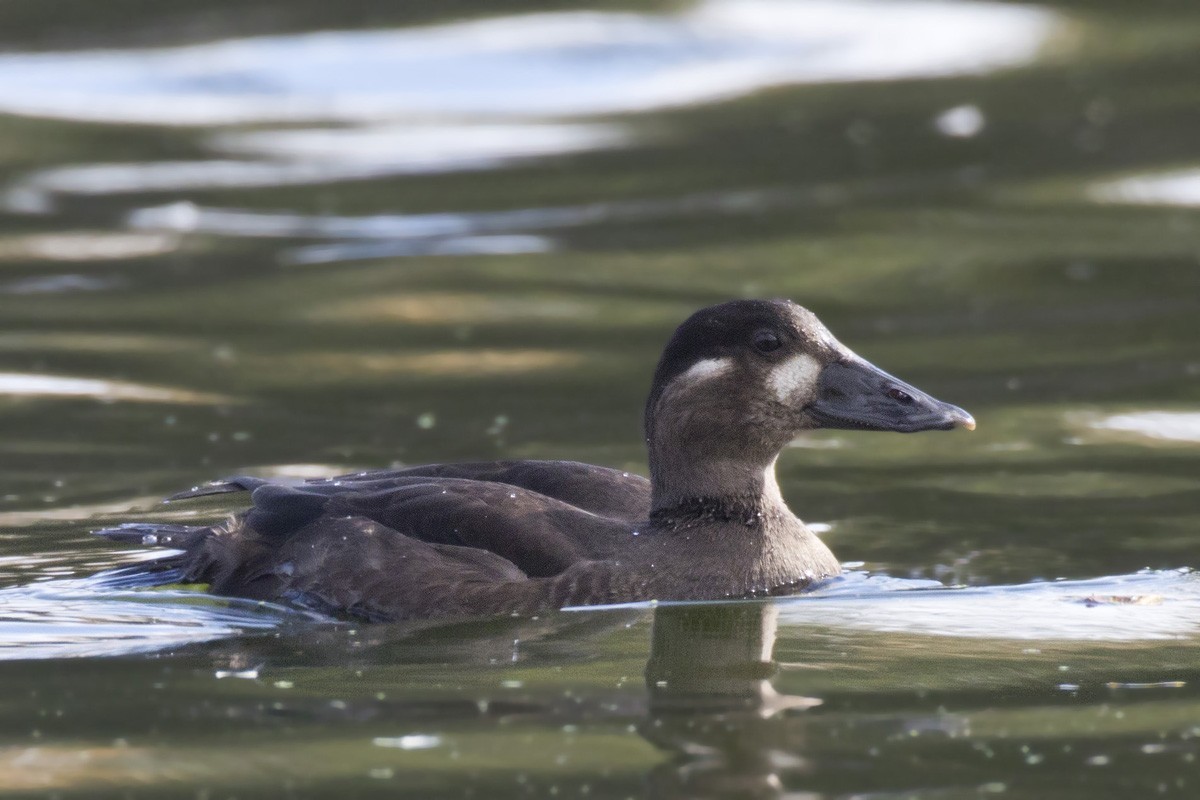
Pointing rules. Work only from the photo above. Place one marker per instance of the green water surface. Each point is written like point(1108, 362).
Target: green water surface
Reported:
point(186, 292)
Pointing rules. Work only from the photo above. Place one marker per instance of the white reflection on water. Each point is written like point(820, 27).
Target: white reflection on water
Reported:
point(1177, 426)
point(61, 284)
point(483, 93)
point(1158, 604)
point(550, 64)
point(423, 147)
point(237, 222)
point(454, 246)
point(21, 384)
point(961, 122)
point(101, 616)
point(300, 157)
point(453, 233)
point(86, 246)
point(89, 513)
point(76, 618)
point(1148, 605)
point(1180, 188)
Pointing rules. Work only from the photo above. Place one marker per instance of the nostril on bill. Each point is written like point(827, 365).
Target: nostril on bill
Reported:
point(900, 396)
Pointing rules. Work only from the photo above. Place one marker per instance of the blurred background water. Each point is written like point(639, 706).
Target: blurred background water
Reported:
point(299, 238)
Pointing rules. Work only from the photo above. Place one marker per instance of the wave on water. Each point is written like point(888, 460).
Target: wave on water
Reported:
point(1151, 604)
point(103, 616)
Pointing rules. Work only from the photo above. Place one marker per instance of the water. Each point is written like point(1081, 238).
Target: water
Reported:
point(279, 239)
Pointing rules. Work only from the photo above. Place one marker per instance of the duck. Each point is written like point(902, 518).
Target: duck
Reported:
point(736, 383)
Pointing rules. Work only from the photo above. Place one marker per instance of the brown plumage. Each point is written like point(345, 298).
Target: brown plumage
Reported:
point(735, 384)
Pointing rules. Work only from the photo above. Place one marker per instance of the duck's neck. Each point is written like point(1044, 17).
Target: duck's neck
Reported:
point(716, 487)
point(729, 517)
point(739, 536)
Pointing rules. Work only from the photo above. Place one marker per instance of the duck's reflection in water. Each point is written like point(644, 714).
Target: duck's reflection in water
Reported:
point(713, 706)
point(709, 708)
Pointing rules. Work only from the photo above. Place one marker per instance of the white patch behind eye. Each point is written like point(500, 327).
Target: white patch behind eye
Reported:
point(794, 378)
point(707, 368)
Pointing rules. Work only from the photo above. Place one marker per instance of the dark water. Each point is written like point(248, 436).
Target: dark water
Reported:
point(298, 238)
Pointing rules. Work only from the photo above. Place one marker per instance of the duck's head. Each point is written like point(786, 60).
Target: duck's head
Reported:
point(740, 380)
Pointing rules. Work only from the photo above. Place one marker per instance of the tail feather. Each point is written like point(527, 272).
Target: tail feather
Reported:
point(157, 534)
point(163, 570)
point(159, 572)
point(237, 483)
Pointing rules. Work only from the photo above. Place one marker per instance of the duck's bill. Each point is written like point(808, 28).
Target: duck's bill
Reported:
point(857, 395)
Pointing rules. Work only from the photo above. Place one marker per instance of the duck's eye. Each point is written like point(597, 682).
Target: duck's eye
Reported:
point(900, 396)
point(767, 341)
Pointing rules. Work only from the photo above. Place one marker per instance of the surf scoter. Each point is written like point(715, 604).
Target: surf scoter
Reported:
point(735, 384)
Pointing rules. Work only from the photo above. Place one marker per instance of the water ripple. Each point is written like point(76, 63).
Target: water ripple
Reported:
point(1172, 426)
point(21, 384)
point(480, 94)
point(460, 232)
point(1148, 605)
point(80, 618)
point(1179, 188)
point(551, 64)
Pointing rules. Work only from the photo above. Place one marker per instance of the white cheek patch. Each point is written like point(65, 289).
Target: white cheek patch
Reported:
point(795, 378)
point(708, 368)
